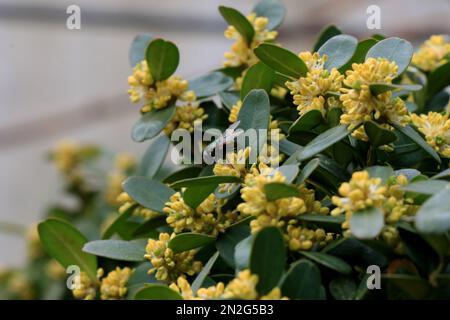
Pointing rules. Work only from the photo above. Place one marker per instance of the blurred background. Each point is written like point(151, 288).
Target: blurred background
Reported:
point(57, 83)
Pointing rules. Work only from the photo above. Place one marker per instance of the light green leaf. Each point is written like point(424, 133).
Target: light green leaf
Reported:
point(289, 171)
point(210, 84)
point(255, 110)
point(242, 253)
point(443, 174)
point(379, 88)
point(434, 215)
point(138, 48)
point(64, 243)
point(429, 187)
point(329, 261)
point(239, 21)
point(258, 76)
point(367, 223)
point(281, 60)
point(188, 241)
point(360, 54)
point(327, 33)
point(156, 291)
point(152, 123)
point(162, 59)
point(267, 259)
point(323, 141)
point(393, 49)
point(229, 98)
point(307, 170)
point(117, 249)
point(302, 281)
point(154, 157)
point(339, 49)
point(277, 190)
point(227, 241)
point(273, 10)
point(149, 193)
point(383, 172)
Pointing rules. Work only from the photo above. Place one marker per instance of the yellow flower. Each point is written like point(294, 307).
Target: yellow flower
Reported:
point(436, 129)
point(432, 53)
point(183, 287)
point(123, 164)
point(302, 238)
point(113, 286)
point(234, 112)
point(168, 266)
point(85, 288)
point(234, 164)
point(186, 116)
point(242, 53)
point(125, 202)
point(156, 94)
point(309, 91)
point(360, 105)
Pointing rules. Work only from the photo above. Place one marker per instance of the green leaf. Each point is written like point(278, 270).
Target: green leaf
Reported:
point(367, 223)
point(417, 139)
point(198, 282)
point(201, 181)
point(229, 98)
point(239, 21)
point(64, 243)
point(152, 123)
point(308, 121)
point(149, 226)
point(334, 116)
point(307, 170)
point(415, 287)
point(281, 60)
point(195, 196)
point(242, 253)
point(267, 259)
point(162, 59)
point(154, 157)
point(438, 79)
point(378, 135)
point(329, 261)
point(339, 49)
point(273, 10)
point(258, 76)
point(393, 49)
point(188, 241)
point(443, 174)
point(182, 174)
point(434, 215)
point(138, 48)
point(379, 88)
point(323, 141)
point(278, 190)
point(227, 241)
point(429, 187)
point(360, 54)
point(210, 84)
point(383, 172)
point(116, 225)
point(156, 291)
point(117, 249)
point(149, 193)
point(255, 111)
point(325, 221)
point(302, 281)
point(327, 33)
point(289, 171)
point(343, 288)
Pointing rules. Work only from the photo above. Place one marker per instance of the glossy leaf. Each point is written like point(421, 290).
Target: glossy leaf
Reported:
point(117, 249)
point(302, 281)
point(378, 135)
point(393, 49)
point(162, 58)
point(239, 21)
point(156, 291)
point(188, 241)
point(258, 76)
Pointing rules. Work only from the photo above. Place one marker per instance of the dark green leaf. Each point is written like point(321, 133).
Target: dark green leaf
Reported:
point(267, 259)
point(393, 49)
point(378, 135)
point(227, 241)
point(149, 193)
point(339, 49)
point(239, 21)
point(194, 196)
point(415, 287)
point(117, 249)
point(210, 84)
point(64, 243)
point(138, 47)
point(323, 141)
point(343, 288)
point(162, 58)
point(438, 79)
point(434, 215)
point(201, 181)
point(327, 222)
point(156, 291)
point(329, 261)
point(379, 88)
point(308, 121)
point(327, 33)
point(198, 282)
point(258, 76)
point(281, 60)
point(273, 10)
point(149, 226)
point(277, 190)
point(115, 226)
point(182, 174)
point(367, 223)
point(154, 157)
point(152, 123)
point(188, 241)
point(302, 281)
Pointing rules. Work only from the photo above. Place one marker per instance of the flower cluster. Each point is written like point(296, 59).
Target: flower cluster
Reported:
point(156, 94)
point(431, 54)
point(242, 287)
point(303, 238)
point(436, 129)
point(114, 285)
point(123, 165)
point(186, 117)
point(168, 266)
point(207, 218)
point(310, 92)
point(125, 202)
point(84, 287)
point(360, 104)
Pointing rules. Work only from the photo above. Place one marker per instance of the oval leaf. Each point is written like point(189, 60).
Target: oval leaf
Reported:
point(117, 249)
point(378, 135)
point(162, 58)
point(187, 241)
point(393, 49)
point(302, 281)
point(152, 123)
point(329, 261)
point(156, 291)
point(327, 33)
point(138, 48)
point(434, 215)
point(258, 76)
point(239, 21)
point(367, 223)
point(308, 121)
point(210, 84)
point(339, 49)
point(273, 10)
point(277, 190)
